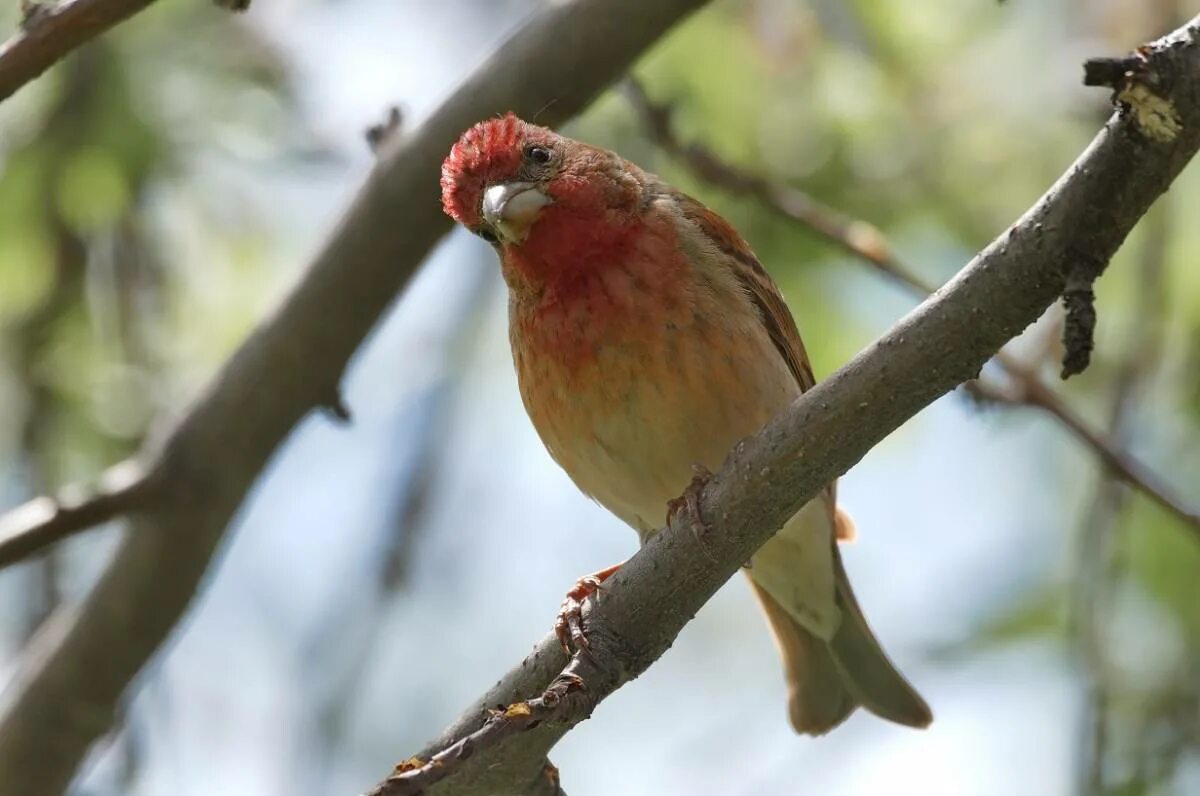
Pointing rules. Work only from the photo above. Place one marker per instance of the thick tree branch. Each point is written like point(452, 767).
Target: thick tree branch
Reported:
point(51, 30)
point(868, 244)
point(68, 685)
point(768, 477)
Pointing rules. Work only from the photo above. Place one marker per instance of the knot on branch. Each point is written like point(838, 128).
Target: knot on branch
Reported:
point(1141, 83)
point(334, 405)
point(378, 134)
point(1079, 301)
point(32, 13)
point(1138, 90)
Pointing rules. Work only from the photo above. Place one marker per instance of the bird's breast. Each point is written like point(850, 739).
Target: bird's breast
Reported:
point(631, 381)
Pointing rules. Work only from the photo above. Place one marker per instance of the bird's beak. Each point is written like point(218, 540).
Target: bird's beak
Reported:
point(511, 207)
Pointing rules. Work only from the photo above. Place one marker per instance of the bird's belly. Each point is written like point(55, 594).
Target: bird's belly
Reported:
point(629, 423)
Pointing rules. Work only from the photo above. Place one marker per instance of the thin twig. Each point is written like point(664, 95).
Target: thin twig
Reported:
point(1035, 393)
point(865, 242)
point(859, 238)
point(42, 522)
point(50, 31)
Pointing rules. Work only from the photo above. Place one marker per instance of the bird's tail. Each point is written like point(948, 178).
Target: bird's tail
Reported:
point(828, 680)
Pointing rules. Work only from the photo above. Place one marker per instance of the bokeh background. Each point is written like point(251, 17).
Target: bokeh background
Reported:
point(163, 187)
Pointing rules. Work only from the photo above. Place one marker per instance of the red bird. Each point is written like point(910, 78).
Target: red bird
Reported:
point(647, 340)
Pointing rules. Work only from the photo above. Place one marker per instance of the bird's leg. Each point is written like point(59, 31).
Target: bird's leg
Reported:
point(689, 501)
point(568, 626)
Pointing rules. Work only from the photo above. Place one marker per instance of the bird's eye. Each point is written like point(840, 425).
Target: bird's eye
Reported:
point(538, 154)
point(487, 234)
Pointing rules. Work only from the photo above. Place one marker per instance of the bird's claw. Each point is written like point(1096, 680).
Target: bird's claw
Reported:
point(689, 502)
point(690, 499)
point(568, 625)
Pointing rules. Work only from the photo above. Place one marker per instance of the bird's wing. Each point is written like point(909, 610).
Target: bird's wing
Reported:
point(767, 299)
point(759, 286)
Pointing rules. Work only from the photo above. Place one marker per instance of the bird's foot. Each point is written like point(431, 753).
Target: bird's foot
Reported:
point(689, 501)
point(568, 625)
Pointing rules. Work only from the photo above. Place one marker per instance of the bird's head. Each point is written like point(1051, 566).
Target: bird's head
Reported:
point(518, 185)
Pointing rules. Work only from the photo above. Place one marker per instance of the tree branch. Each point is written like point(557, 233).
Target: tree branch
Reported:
point(564, 698)
point(865, 242)
point(49, 31)
point(44, 521)
point(768, 477)
point(73, 674)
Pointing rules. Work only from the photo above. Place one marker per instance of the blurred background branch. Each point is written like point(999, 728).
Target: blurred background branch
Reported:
point(43, 522)
point(52, 29)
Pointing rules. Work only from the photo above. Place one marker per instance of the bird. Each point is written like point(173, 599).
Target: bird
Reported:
point(647, 340)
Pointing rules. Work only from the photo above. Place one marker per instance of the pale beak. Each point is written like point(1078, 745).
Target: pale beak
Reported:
point(510, 208)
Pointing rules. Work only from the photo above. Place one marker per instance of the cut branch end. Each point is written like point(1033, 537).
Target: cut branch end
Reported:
point(1110, 72)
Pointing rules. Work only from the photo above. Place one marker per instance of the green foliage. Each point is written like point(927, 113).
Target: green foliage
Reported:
point(85, 292)
point(92, 193)
point(1036, 614)
point(1165, 561)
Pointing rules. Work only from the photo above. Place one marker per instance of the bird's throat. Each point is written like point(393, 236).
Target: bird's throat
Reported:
point(572, 295)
